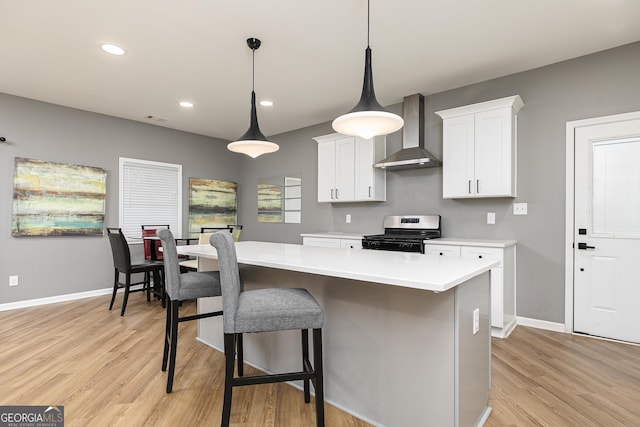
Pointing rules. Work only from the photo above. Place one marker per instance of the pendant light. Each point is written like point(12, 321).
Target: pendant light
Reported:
point(253, 143)
point(368, 118)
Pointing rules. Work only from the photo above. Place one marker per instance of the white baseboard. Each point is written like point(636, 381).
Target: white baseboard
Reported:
point(541, 324)
point(504, 332)
point(52, 300)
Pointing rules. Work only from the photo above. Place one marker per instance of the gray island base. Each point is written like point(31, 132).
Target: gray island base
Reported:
point(394, 356)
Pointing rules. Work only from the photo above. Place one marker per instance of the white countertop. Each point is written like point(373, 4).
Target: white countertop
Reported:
point(471, 242)
point(334, 235)
point(411, 270)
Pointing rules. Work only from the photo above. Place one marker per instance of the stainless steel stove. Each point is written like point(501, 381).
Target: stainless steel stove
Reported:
point(405, 233)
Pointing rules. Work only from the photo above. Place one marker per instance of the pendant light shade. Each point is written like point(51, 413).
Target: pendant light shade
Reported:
point(253, 143)
point(368, 118)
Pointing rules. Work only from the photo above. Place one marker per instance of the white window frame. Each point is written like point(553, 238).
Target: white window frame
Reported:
point(163, 188)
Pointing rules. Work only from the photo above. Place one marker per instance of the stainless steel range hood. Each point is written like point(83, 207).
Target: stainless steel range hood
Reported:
point(413, 154)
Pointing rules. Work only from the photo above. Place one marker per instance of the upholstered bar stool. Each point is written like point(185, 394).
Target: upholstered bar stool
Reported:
point(182, 287)
point(263, 310)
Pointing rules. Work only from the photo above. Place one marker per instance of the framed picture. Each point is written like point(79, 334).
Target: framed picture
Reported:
point(57, 199)
point(212, 203)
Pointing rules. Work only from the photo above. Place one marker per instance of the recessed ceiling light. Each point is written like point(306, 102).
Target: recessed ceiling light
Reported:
point(266, 103)
point(112, 49)
point(186, 104)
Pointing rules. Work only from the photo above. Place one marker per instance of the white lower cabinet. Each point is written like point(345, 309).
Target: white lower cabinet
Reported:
point(503, 277)
point(332, 240)
point(442, 250)
point(351, 243)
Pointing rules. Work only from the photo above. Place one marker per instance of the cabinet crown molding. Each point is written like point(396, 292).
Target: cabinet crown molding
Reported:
point(515, 102)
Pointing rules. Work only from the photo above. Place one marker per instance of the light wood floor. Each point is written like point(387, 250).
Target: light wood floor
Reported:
point(105, 371)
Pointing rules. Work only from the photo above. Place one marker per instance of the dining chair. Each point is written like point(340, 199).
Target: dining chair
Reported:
point(198, 263)
point(151, 249)
point(214, 229)
point(234, 229)
point(182, 287)
point(266, 310)
point(123, 266)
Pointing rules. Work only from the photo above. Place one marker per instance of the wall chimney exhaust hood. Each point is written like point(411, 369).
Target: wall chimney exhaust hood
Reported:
point(413, 154)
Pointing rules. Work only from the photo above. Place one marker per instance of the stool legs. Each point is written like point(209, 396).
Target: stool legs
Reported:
point(232, 342)
point(319, 378)
point(171, 341)
point(305, 367)
point(229, 347)
point(167, 334)
point(240, 352)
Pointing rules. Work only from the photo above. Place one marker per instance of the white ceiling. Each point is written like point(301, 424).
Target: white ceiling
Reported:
point(312, 56)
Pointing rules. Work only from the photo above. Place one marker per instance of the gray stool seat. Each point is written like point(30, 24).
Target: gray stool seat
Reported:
point(266, 310)
point(197, 284)
point(277, 309)
point(181, 287)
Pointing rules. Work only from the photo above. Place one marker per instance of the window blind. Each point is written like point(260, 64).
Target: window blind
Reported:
point(150, 193)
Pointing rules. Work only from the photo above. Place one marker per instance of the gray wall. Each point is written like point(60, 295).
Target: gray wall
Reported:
point(600, 84)
point(50, 266)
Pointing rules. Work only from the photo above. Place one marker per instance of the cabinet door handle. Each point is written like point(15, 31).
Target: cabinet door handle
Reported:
point(369, 191)
point(337, 194)
point(441, 253)
point(332, 194)
point(479, 256)
point(469, 186)
point(477, 186)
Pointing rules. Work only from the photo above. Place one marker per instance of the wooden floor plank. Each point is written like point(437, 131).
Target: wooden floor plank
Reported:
point(105, 370)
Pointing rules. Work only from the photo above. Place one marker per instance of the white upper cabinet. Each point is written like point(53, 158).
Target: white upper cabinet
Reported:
point(345, 169)
point(480, 148)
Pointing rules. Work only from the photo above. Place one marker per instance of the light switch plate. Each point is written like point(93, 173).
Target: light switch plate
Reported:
point(491, 218)
point(476, 321)
point(519, 208)
point(348, 219)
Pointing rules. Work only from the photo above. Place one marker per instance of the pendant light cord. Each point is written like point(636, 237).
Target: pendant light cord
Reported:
point(368, 20)
point(253, 70)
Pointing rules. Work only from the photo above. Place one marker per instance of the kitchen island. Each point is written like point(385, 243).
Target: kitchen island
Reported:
point(402, 345)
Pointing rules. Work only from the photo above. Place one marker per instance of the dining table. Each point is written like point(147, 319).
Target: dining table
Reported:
point(154, 240)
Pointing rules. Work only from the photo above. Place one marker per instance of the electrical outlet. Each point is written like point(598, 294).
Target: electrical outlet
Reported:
point(13, 281)
point(348, 219)
point(519, 208)
point(491, 218)
point(476, 321)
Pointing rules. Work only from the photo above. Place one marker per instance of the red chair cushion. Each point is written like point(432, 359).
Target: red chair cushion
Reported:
point(148, 243)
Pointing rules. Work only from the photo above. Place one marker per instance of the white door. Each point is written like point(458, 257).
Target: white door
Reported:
point(607, 230)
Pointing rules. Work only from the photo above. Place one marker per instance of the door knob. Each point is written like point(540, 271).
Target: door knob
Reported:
point(585, 246)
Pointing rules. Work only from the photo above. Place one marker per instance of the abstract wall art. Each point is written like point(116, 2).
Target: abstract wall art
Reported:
point(57, 199)
point(212, 203)
point(280, 199)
